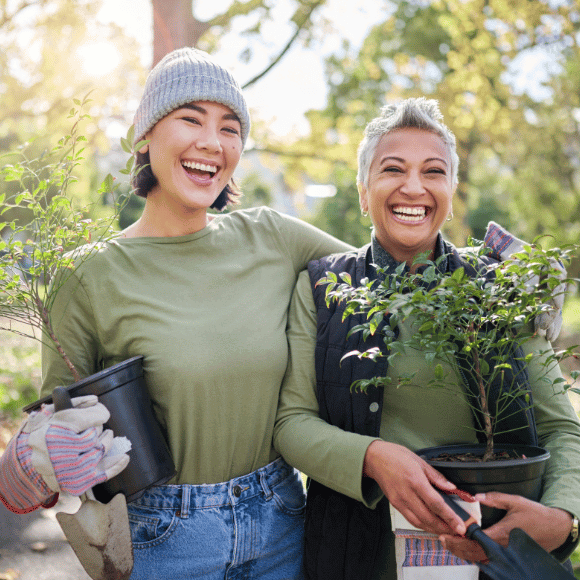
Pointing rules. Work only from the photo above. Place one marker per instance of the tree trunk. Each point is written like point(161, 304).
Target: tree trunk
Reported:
point(174, 26)
point(484, 404)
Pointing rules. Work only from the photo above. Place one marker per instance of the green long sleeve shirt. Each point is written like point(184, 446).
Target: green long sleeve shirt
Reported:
point(208, 312)
point(415, 417)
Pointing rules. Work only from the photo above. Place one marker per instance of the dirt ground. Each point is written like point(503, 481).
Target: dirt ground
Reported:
point(33, 547)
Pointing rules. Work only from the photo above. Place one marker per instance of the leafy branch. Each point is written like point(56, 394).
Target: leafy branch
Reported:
point(42, 250)
point(480, 320)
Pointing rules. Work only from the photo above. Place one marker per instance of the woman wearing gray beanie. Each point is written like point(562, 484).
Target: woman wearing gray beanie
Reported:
point(204, 298)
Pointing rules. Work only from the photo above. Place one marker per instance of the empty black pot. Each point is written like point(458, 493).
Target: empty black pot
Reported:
point(122, 390)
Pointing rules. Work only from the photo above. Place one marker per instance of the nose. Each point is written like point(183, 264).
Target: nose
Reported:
point(413, 184)
point(208, 139)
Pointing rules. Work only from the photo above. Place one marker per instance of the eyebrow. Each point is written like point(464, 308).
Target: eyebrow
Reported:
point(195, 107)
point(401, 160)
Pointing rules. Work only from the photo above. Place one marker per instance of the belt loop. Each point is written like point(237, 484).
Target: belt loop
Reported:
point(264, 483)
point(185, 499)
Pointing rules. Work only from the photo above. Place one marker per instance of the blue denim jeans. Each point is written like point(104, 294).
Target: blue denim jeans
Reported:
point(245, 528)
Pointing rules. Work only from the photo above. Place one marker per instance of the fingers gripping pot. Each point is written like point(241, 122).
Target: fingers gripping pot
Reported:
point(122, 390)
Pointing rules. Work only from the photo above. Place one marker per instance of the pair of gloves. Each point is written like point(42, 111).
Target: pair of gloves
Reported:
point(58, 451)
point(503, 245)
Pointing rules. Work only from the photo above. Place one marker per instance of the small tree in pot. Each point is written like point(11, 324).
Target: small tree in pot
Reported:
point(482, 320)
point(476, 322)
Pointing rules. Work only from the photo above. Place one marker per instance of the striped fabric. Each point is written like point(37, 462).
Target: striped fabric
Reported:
point(20, 492)
point(75, 457)
point(497, 239)
point(421, 556)
point(424, 550)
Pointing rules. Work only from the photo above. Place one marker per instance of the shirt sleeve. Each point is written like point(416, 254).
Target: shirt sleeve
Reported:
point(305, 242)
point(558, 430)
point(74, 326)
point(324, 452)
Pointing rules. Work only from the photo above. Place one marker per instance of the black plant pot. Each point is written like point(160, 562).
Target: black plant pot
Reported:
point(520, 476)
point(122, 390)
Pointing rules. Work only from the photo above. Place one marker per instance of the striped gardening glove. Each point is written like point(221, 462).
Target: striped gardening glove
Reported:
point(60, 451)
point(503, 245)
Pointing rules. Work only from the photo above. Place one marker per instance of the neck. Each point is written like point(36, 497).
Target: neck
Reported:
point(160, 222)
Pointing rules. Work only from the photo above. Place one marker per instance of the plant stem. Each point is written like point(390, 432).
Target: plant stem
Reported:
point(484, 407)
point(44, 315)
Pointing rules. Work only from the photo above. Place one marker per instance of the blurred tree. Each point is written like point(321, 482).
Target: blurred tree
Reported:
point(256, 192)
point(518, 153)
point(543, 184)
point(175, 25)
point(51, 53)
point(341, 215)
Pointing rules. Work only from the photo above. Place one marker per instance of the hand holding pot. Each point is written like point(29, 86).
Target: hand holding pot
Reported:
point(409, 484)
point(69, 448)
point(60, 451)
point(549, 527)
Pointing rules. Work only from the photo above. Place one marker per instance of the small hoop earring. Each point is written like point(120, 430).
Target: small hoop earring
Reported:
point(450, 216)
point(364, 213)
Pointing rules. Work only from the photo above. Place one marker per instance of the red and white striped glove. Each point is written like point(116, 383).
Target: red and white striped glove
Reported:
point(503, 245)
point(64, 451)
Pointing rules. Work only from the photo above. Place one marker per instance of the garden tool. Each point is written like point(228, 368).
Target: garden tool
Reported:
point(98, 532)
point(523, 558)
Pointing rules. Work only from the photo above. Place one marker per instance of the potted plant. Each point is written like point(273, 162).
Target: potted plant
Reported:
point(45, 242)
point(475, 322)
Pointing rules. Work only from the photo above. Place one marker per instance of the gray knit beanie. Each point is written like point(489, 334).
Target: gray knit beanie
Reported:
point(183, 76)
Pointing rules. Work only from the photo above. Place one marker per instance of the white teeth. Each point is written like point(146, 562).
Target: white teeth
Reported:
point(200, 166)
point(410, 214)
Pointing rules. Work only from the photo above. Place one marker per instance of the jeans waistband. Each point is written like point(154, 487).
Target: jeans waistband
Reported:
point(186, 497)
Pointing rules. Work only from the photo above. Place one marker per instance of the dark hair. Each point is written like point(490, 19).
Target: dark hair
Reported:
point(145, 181)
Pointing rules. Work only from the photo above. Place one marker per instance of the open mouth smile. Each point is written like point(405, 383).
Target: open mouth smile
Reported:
point(202, 169)
point(414, 214)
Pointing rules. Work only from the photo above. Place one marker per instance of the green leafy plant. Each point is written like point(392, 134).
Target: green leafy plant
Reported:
point(50, 237)
point(480, 320)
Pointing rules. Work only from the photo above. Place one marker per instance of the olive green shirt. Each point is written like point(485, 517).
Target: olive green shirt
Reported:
point(208, 311)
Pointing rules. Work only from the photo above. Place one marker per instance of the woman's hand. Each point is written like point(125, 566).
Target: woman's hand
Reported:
point(408, 482)
point(58, 451)
point(549, 527)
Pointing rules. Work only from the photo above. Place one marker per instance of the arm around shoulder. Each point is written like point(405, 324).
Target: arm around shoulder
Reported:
point(306, 242)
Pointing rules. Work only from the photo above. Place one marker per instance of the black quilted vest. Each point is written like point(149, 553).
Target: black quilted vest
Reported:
point(342, 536)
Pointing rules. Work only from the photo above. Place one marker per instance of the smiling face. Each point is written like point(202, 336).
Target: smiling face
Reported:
point(409, 191)
point(193, 151)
